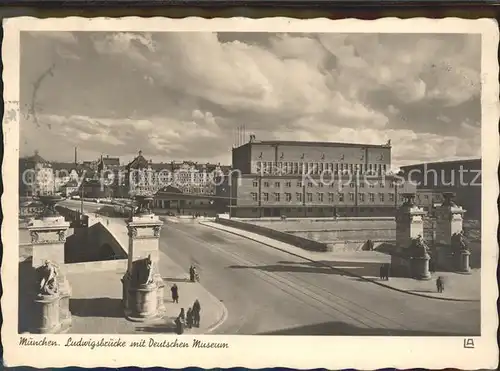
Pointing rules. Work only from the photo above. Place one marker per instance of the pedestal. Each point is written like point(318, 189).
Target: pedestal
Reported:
point(64, 312)
point(143, 301)
point(46, 314)
point(463, 265)
point(449, 223)
point(48, 236)
point(420, 268)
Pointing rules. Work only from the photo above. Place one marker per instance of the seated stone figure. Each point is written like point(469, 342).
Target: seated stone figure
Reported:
point(143, 271)
point(47, 279)
point(419, 247)
point(458, 242)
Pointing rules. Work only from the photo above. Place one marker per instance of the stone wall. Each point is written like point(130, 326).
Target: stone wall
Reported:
point(93, 244)
point(339, 234)
point(275, 234)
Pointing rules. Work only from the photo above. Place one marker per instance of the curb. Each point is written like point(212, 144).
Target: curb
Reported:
point(221, 320)
point(342, 270)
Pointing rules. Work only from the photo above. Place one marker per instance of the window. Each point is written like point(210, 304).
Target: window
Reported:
point(361, 185)
point(276, 197)
point(299, 184)
point(266, 184)
point(331, 198)
point(391, 196)
point(351, 185)
point(309, 197)
point(288, 184)
point(381, 197)
point(426, 197)
point(320, 197)
point(266, 196)
point(298, 195)
point(276, 184)
point(361, 197)
point(320, 184)
point(341, 197)
point(255, 183)
point(288, 197)
point(351, 196)
point(382, 185)
point(401, 198)
point(254, 196)
point(372, 185)
point(371, 197)
point(309, 184)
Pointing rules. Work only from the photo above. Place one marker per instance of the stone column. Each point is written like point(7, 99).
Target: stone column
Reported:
point(449, 224)
point(410, 226)
point(48, 236)
point(142, 283)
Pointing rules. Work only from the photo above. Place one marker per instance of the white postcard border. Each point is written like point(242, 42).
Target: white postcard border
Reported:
point(360, 352)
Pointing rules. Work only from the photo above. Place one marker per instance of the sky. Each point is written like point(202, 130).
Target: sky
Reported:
point(182, 96)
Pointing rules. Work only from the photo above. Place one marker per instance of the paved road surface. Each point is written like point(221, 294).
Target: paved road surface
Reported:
point(267, 291)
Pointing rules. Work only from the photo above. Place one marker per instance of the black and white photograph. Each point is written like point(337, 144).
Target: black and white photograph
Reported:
point(179, 188)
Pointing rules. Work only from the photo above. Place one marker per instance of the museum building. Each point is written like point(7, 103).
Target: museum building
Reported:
point(311, 179)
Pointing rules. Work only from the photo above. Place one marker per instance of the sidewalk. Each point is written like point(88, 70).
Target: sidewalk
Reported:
point(96, 298)
point(366, 267)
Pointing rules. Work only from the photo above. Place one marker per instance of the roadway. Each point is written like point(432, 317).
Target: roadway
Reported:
point(267, 291)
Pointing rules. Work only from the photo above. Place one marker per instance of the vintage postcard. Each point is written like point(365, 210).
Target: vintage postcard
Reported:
point(254, 193)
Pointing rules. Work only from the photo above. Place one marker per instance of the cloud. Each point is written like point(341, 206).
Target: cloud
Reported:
point(181, 95)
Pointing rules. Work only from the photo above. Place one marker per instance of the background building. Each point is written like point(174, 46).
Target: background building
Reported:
point(268, 179)
point(36, 176)
point(463, 177)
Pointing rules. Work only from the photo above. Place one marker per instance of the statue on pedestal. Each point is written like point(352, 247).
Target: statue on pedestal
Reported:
point(448, 199)
point(47, 279)
point(143, 204)
point(142, 272)
point(418, 247)
point(49, 204)
point(458, 242)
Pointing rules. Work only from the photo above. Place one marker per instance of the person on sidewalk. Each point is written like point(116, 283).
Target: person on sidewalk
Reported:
point(189, 318)
point(192, 273)
point(175, 293)
point(440, 284)
point(196, 313)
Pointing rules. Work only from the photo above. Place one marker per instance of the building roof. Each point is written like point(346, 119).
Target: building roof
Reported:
point(169, 189)
point(71, 183)
point(314, 144)
point(138, 162)
point(439, 163)
point(68, 166)
point(176, 165)
point(35, 158)
point(110, 161)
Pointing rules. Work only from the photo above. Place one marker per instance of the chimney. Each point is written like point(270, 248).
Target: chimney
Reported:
point(76, 155)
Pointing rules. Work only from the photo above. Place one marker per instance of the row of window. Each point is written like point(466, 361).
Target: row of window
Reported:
point(299, 183)
point(320, 197)
point(317, 168)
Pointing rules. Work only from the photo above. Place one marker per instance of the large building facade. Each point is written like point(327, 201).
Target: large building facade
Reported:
point(463, 177)
point(312, 179)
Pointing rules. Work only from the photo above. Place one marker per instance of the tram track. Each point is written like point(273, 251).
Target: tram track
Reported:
point(306, 292)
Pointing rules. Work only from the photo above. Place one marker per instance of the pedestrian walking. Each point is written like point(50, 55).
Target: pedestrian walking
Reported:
point(440, 284)
point(387, 271)
point(381, 272)
point(175, 293)
point(196, 313)
point(189, 318)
